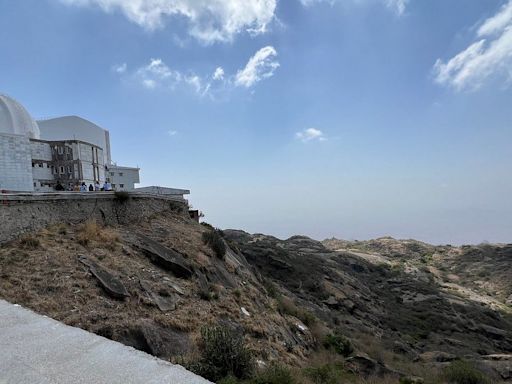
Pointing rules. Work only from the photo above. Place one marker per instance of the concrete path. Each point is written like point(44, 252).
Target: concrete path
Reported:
point(35, 349)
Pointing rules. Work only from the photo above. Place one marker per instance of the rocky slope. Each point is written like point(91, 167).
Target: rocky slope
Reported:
point(398, 300)
point(405, 306)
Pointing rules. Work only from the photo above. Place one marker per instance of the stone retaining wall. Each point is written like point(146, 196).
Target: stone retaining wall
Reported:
point(22, 213)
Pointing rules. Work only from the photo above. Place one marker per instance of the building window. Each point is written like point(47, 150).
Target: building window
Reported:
point(68, 150)
point(113, 185)
point(69, 169)
point(112, 173)
point(33, 165)
point(61, 170)
point(121, 185)
point(40, 165)
point(120, 173)
point(60, 150)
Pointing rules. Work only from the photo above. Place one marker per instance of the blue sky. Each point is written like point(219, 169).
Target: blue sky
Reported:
point(346, 118)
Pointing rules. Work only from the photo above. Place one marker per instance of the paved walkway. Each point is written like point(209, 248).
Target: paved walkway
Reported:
point(35, 349)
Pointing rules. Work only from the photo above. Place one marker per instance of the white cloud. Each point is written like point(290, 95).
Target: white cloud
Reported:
point(208, 20)
point(310, 134)
point(218, 74)
point(398, 6)
point(157, 74)
point(120, 68)
point(261, 66)
point(195, 82)
point(490, 55)
point(172, 133)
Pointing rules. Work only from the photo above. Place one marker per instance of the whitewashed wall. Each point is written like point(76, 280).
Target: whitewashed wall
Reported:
point(15, 163)
point(41, 151)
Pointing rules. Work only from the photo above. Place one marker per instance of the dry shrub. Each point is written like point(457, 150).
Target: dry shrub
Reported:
point(91, 231)
point(374, 347)
point(215, 241)
point(29, 242)
point(287, 307)
point(61, 229)
point(463, 372)
point(377, 380)
point(319, 332)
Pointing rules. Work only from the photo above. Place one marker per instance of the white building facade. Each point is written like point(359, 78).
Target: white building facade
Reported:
point(122, 178)
point(69, 150)
point(16, 129)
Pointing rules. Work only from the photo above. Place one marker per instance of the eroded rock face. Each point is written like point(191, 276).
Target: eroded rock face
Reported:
point(364, 365)
point(383, 294)
point(437, 357)
point(148, 336)
point(111, 284)
point(164, 257)
point(164, 300)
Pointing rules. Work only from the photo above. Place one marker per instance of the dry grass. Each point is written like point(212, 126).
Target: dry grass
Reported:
point(91, 232)
point(30, 242)
point(286, 306)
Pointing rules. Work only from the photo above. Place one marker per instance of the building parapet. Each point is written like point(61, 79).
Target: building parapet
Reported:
point(51, 196)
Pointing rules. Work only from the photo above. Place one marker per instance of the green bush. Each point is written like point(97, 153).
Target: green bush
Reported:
point(223, 354)
point(462, 372)
point(229, 380)
point(215, 241)
point(325, 374)
point(338, 343)
point(274, 374)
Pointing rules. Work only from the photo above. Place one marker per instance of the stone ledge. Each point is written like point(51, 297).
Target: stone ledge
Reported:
point(51, 196)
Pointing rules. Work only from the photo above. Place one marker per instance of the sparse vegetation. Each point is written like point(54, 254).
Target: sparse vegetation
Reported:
point(463, 372)
point(177, 207)
point(30, 242)
point(325, 374)
point(91, 231)
point(339, 343)
point(223, 354)
point(271, 289)
point(214, 240)
point(275, 374)
point(288, 307)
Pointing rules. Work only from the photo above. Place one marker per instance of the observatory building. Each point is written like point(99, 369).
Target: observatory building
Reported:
point(35, 156)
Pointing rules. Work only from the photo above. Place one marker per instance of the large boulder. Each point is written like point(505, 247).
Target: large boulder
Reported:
point(164, 257)
point(148, 336)
point(111, 284)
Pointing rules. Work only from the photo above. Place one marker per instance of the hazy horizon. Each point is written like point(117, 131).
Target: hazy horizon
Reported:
point(353, 119)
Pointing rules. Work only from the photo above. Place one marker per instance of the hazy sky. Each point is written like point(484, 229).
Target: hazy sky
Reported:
point(346, 118)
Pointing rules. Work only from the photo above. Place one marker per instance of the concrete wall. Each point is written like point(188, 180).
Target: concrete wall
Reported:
point(123, 178)
point(15, 163)
point(76, 128)
point(40, 150)
point(22, 213)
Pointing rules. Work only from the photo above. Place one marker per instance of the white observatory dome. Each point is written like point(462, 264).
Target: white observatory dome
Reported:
point(15, 120)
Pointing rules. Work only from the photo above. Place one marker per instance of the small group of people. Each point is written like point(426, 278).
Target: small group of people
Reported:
point(96, 187)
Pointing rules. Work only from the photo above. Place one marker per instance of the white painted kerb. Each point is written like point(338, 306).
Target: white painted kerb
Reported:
point(36, 349)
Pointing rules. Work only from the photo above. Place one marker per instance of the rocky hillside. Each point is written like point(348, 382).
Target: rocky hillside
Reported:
point(390, 308)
